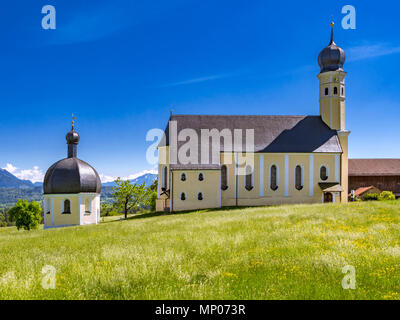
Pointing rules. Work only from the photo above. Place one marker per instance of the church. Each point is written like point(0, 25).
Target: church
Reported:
point(71, 190)
point(292, 159)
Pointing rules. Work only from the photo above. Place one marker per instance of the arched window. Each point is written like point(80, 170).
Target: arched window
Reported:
point(249, 178)
point(342, 91)
point(183, 177)
point(274, 177)
point(88, 206)
point(183, 196)
point(164, 176)
point(224, 177)
point(48, 206)
point(201, 176)
point(326, 91)
point(298, 178)
point(67, 206)
point(335, 90)
point(200, 196)
point(323, 173)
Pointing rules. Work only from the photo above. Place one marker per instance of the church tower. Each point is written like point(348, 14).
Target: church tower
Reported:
point(332, 101)
point(332, 86)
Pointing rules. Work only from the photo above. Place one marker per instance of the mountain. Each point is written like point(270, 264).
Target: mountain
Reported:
point(8, 180)
point(147, 178)
point(12, 188)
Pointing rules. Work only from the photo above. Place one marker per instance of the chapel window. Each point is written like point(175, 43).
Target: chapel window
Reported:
point(249, 178)
point(67, 206)
point(323, 173)
point(274, 177)
point(224, 177)
point(298, 178)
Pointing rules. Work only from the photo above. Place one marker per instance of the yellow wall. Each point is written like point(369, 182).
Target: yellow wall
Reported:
point(78, 215)
point(209, 187)
point(261, 194)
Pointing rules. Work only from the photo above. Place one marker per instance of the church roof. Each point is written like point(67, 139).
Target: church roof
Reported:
point(278, 134)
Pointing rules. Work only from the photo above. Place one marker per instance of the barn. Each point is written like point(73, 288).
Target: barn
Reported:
point(383, 174)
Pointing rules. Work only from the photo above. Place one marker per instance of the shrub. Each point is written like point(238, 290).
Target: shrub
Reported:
point(3, 222)
point(26, 215)
point(386, 195)
point(371, 197)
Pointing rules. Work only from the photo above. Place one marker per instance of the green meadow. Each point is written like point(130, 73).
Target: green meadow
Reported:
point(280, 252)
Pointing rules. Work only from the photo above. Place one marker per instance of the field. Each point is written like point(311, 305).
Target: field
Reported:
point(282, 252)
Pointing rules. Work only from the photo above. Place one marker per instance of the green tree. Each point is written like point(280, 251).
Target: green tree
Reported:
point(153, 195)
point(26, 214)
point(128, 196)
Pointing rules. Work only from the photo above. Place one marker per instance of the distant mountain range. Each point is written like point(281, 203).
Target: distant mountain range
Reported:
point(12, 188)
point(8, 180)
point(147, 178)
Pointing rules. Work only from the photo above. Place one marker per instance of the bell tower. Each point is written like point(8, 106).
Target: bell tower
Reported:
point(332, 85)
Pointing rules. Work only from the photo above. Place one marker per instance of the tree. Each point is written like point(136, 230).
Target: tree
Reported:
point(26, 214)
point(129, 196)
point(153, 195)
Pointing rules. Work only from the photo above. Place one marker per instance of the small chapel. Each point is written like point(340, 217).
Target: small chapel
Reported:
point(71, 190)
point(295, 159)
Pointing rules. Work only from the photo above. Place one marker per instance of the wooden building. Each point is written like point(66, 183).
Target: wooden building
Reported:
point(383, 174)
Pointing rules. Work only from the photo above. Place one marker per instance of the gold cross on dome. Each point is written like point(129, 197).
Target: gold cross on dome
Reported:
point(73, 120)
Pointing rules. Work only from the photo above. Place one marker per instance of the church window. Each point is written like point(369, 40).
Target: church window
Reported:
point(323, 173)
point(183, 177)
point(48, 206)
point(164, 175)
point(274, 177)
point(224, 177)
point(67, 206)
point(200, 196)
point(88, 206)
point(335, 90)
point(201, 176)
point(249, 178)
point(342, 91)
point(298, 178)
point(326, 91)
point(183, 196)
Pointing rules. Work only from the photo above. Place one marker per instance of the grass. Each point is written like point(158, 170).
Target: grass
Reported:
point(282, 252)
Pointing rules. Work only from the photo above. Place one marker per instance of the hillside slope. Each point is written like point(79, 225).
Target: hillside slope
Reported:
point(282, 252)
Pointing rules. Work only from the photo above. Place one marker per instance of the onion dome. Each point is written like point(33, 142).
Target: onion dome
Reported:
point(332, 57)
point(71, 175)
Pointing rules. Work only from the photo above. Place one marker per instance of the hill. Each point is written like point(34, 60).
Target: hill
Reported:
point(8, 180)
point(281, 252)
point(147, 179)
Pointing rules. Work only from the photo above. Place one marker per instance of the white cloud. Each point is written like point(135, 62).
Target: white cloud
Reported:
point(35, 174)
point(105, 178)
point(371, 51)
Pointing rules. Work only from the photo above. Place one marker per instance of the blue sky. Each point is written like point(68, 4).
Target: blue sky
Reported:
point(120, 66)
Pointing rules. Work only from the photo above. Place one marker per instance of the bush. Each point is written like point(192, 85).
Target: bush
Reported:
point(386, 195)
point(26, 215)
point(371, 197)
point(3, 222)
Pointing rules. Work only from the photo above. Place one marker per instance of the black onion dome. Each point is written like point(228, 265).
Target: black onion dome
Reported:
point(72, 137)
point(71, 175)
point(332, 57)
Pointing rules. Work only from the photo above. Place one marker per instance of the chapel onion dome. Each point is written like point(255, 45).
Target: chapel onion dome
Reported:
point(332, 57)
point(71, 175)
point(72, 137)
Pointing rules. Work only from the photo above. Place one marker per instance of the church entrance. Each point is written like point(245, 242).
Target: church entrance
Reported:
point(328, 197)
